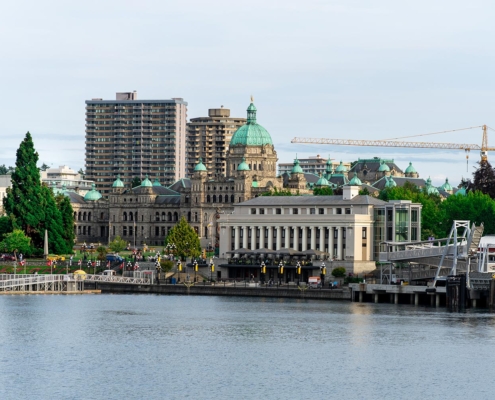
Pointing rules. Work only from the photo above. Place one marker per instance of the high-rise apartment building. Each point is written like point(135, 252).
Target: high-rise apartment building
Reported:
point(208, 138)
point(134, 138)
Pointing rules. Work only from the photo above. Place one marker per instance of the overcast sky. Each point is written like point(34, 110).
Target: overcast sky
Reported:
point(332, 69)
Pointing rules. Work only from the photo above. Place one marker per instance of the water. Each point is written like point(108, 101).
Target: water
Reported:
point(187, 347)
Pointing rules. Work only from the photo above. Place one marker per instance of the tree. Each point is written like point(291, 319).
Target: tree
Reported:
point(185, 239)
point(364, 192)
point(5, 226)
point(117, 245)
point(5, 170)
point(54, 224)
point(44, 167)
point(135, 182)
point(483, 179)
point(102, 253)
point(67, 213)
point(22, 201)
point(323, 191)
point(16, 242)
point(276, 192)
point(81, 172)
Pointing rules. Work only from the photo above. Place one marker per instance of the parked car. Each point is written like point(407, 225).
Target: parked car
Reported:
point(114, 257)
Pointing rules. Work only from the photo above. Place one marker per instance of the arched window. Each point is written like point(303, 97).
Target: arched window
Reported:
point(75, 216)
point(226, 198)
point(124, 231)
point(124, 216)
point(196, 200)
point(189, 216)
point(214, 198)
point(89, 231)
point(84, 216)
point(169, 217)
point(232, 198)
point(136, 217)
point(78, 230)
point(208, 199)
point(131, 216)
point(157, 217)
point(176, 216)
point(220, 198)
point(164, 217)
point(89, 216)
point(84, 231)
point(102, 215)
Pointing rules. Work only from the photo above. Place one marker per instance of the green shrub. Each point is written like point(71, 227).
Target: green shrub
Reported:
point(338, 272)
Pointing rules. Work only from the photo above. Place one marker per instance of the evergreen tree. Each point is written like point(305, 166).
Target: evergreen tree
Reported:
point(22, 201)
point(67, 213)
point(44, 167)
point(135, 182)
point(5, 226)
point(185, 239)
point(323, 191)
point(483, 179)
point(276, 192)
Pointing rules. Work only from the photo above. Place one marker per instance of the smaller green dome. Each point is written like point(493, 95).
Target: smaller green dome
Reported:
point(341, 167)
point(117, 183)
point(322, 181)
point(157, 182)
point(200, 166)
point(446, 186)
point(93, 194)
point(296, 169)
point(355, 181)
point(429, 188)
point(146, 182)
point(383, 167)
point(461, 192)
point(243, 166)
point(410, 169)
point(390, 183)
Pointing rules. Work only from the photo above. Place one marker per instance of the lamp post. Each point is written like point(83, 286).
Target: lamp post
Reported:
point(170, 248)
point(179, 269)
point(280, 272)
point(323, 272)
point(212, 269)
point(195, 266)
point(158, 270)
point(298, 273)
point(263, 272)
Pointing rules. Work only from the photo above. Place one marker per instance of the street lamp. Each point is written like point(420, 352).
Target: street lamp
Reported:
point(158, 270)
point(179, 269)
point(280, 272)
point(323, 272)
point(212, 269)
point(263, 272)
point(195, 266)
point(298, 273)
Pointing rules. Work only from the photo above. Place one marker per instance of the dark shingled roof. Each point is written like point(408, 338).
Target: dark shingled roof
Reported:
point(289, 201)
point(373, 165)
point(168, 200)
point(75, 197)
point(158, 190)
point(380, 183)
point(183, 183)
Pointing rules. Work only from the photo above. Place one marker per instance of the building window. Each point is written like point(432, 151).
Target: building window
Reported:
point(335, 233)
point(343, 233)
point(261, 210)
point(339, 210)
point(414, 215)
point(295, 211)
point(124, 231)
point(233, 232)
point(321, 211)
point(312, 210)
point(364, 233)
point(278, 211)
point(347, 210)
point(253, 210)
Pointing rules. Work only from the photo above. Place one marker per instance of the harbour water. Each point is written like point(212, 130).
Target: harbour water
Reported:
point(194, 347)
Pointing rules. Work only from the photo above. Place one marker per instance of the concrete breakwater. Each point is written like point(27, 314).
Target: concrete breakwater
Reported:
point(220, 290)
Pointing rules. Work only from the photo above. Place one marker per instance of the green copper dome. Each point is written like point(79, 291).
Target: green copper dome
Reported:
point(355, 181)
point(200, 166)
point(157, 182)
point(383, 167)
point(341, 168)
point(446, 186)
point(322, 181)
point(296, 169)
point(117, 183)
point(93, 194)
point(251, 134)
point(243, 166)
point(146, 182)
point(410, 169)
point(429, 188)
point(390, 183)
point(461, 192)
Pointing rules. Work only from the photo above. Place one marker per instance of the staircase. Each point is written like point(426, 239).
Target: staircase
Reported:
point(476, 234)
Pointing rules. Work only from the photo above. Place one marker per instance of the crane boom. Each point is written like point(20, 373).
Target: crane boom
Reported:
point(388, 143)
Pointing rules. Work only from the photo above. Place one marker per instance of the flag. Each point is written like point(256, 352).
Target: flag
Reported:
point(108, 264)
point(23, 263)
point(79, 262)
point(49, 263)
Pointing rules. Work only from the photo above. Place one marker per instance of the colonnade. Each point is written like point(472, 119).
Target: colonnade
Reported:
point(300, 238)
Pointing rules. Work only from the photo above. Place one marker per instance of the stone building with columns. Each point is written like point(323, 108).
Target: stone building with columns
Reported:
point(347, 228)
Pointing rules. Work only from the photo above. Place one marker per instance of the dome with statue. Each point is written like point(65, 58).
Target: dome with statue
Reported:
point(252, 133)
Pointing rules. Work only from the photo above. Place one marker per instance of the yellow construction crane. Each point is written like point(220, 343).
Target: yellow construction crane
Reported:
point(424, 145)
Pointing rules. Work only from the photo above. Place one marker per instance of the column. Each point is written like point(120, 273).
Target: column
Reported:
point(473, 303)
point(330, 241)
point(287, 237)
point(253, 237)
point(270, 237)
point(279, 237)
point(313, 237)
point(416, 299)
point(396, 298)
point(245, 237)
point(360, 296)
point(296, 238)
point(376, 297)
point(304, 238)
point(437, 303)
point(236, 238)
point(322, 238)
point(339, 243)
point(262, 237)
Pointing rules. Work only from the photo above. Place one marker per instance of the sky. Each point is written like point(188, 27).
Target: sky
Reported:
point(324, 69)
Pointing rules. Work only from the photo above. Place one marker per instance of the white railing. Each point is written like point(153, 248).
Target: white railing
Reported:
point(114, 279)
point(9, 281)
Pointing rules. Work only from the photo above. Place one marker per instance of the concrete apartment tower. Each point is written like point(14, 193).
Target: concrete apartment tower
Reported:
point(134, 139)
point(208, 138)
